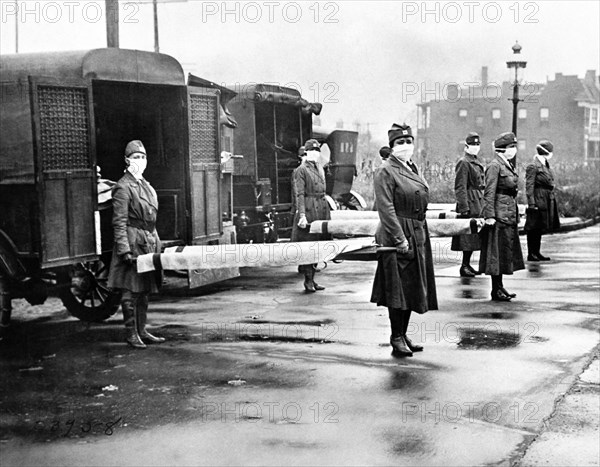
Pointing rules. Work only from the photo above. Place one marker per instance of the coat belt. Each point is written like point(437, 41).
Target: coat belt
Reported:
point(509, 192)
point(139, 224)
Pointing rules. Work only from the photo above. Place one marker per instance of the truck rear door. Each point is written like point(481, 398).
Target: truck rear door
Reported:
point(205, 164)
point(65, 171)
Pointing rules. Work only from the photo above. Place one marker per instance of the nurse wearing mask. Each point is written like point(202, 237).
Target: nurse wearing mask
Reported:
point(404, 281)
point(311, 205)
point(500, 246)
point(468, 189)
point(542, 210)
point(135, 207)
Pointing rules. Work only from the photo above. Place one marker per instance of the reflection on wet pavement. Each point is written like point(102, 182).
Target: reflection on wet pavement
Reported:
point(474, 339)
point(493, 315)
point(534, 270)
point(467, 288)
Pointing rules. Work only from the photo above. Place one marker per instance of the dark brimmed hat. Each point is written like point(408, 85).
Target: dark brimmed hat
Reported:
point(544, 147)
point(472, 138)
point(504, 140)
point(133, 147)
point(399, 131)
point(312, 145)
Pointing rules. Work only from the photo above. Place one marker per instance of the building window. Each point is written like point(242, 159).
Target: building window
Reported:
point(522, 114)
point(594, 117)
point(544, 114)
point(496, 114)
point(423, 121)
point(462, 113)
point(479, 122)
point(522, 145)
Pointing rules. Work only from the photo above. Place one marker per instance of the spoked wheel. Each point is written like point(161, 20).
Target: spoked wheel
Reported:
point(87, 297)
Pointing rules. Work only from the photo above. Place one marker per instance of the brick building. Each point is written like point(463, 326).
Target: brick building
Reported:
point(565, 110)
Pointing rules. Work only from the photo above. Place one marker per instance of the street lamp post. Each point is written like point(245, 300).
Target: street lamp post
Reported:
point(516, 62)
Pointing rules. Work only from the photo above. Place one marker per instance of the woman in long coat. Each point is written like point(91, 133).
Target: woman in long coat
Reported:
point(311, 205)
point(135, 206)
point(404, 281)
point(500, 246)
point(468, 189)
point(542, 210)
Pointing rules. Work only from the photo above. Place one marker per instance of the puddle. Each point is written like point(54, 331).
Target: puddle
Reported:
point(407, 380)
point(272, 338)
point(409, 445)
point(321, 322)
point(471, 339)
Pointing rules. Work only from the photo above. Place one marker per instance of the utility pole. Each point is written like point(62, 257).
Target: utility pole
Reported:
point(155, 8)
point(16, 26)
point(112, 23)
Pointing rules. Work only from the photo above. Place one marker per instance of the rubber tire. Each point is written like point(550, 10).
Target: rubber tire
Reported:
point(106, 302)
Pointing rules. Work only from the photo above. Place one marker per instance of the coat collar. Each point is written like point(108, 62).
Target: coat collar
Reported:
point(473, 159)
point(315, 167)
point(406, 171)
point(146, 192)
point(505, 163)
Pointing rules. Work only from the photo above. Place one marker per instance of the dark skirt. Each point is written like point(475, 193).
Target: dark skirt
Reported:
point(500, 250)
point(467, 242)
point(125, 277)
point(546, 219)
point(407, 284)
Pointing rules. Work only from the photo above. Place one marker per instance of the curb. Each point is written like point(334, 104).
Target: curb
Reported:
point(570, 226)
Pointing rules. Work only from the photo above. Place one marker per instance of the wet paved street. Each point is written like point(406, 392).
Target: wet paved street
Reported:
point(256, 372)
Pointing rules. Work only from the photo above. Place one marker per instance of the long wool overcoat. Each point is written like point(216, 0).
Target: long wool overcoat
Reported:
point(309, 190)
point(135, 207)
point(468, 189)
point(539, 187)
point(500, 246)
point(403, 283)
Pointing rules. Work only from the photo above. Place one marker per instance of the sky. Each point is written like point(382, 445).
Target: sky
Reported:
point(366, 61)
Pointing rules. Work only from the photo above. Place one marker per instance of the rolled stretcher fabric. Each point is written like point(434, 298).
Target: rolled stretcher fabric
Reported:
point(367, 227)
point(348, 214)
point(247, 255)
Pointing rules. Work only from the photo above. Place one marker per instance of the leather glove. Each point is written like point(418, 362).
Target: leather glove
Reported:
point(490, 221)
point(402, 247)
point(302, 222)
point(128, 259)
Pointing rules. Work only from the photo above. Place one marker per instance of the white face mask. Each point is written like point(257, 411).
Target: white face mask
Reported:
point(472, 149)
point(312, 156)
point(510, 153)
point(136, 167)
point(403, 151)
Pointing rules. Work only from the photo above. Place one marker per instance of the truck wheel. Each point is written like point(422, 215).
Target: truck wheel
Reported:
point(87, 297)
point(352, 201)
